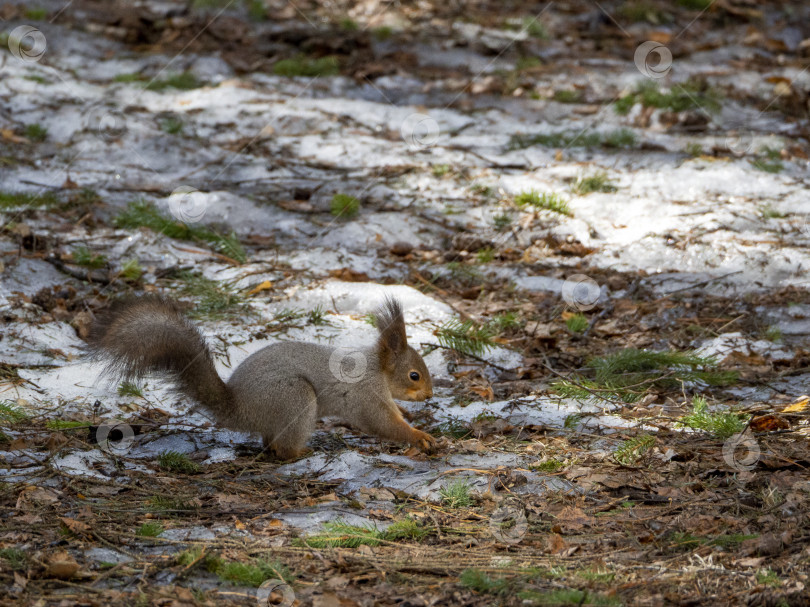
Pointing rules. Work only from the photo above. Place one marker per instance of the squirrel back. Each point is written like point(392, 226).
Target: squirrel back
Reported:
point(281, 390)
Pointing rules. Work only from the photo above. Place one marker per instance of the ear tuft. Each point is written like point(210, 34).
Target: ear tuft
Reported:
point(391, 323)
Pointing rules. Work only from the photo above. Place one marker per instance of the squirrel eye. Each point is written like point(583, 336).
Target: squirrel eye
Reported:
point(414, 376)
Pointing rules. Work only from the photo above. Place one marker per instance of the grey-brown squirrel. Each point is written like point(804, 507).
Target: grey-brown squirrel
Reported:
point(281, 390)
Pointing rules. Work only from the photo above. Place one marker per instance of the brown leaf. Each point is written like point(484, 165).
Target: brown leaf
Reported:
point(77, 527)
point(768, 423)
point(20, 580)
point(484, 392)
point(556, 543)
point(62, 566)
point(572, 519)
point(349, 275)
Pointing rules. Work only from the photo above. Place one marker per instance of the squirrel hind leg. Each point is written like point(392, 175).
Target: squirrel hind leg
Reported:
point(287, 428)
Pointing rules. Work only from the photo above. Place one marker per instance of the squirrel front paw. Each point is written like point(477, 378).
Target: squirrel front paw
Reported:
point(423, 441)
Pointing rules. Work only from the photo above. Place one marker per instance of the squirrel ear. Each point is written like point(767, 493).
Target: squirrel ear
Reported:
point(391, 323)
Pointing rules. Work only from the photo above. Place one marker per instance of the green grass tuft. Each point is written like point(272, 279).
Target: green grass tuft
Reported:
point(63, 424)
point(141, 213)
point(214, 300)
point(694, 149)
point(134, 77)
point(344, 205)
point(440, 170)
point(620, 138)
point(547, 200)
point(565, 597)
point(317, 316)
point(681, 97)
point(504, 321)
point(15, 558)
point(722, 424)
point(184, 81)
point(643, 11)
point(172, 461)
point(549, 466)
point(253, 573)
point(171, 125)
point(480, 582)
point(15, 200)
point(456, 494)
point(35, 132)
point(383, 33)
point(341, 534)
point(36, 14)
point(576, 323)
point(502, 221)
point(696, 5)
point(168, 506)
point(567, 96)
point(768, 577)
point(306, 66)
point(598, 182)
point(150, 529)
point(86, 258)
point(485, 255)
point(131, 270)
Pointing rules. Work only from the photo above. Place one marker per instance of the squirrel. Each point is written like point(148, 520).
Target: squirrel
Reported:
point(280, 391)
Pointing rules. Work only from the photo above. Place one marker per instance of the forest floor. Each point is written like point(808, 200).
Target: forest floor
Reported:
point(594, 214)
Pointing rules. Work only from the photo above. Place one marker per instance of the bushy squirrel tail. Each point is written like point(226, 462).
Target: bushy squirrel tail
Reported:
point(149, 334)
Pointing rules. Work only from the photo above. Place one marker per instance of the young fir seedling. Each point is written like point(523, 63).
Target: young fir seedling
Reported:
point(466, 337)
point(722, 424)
